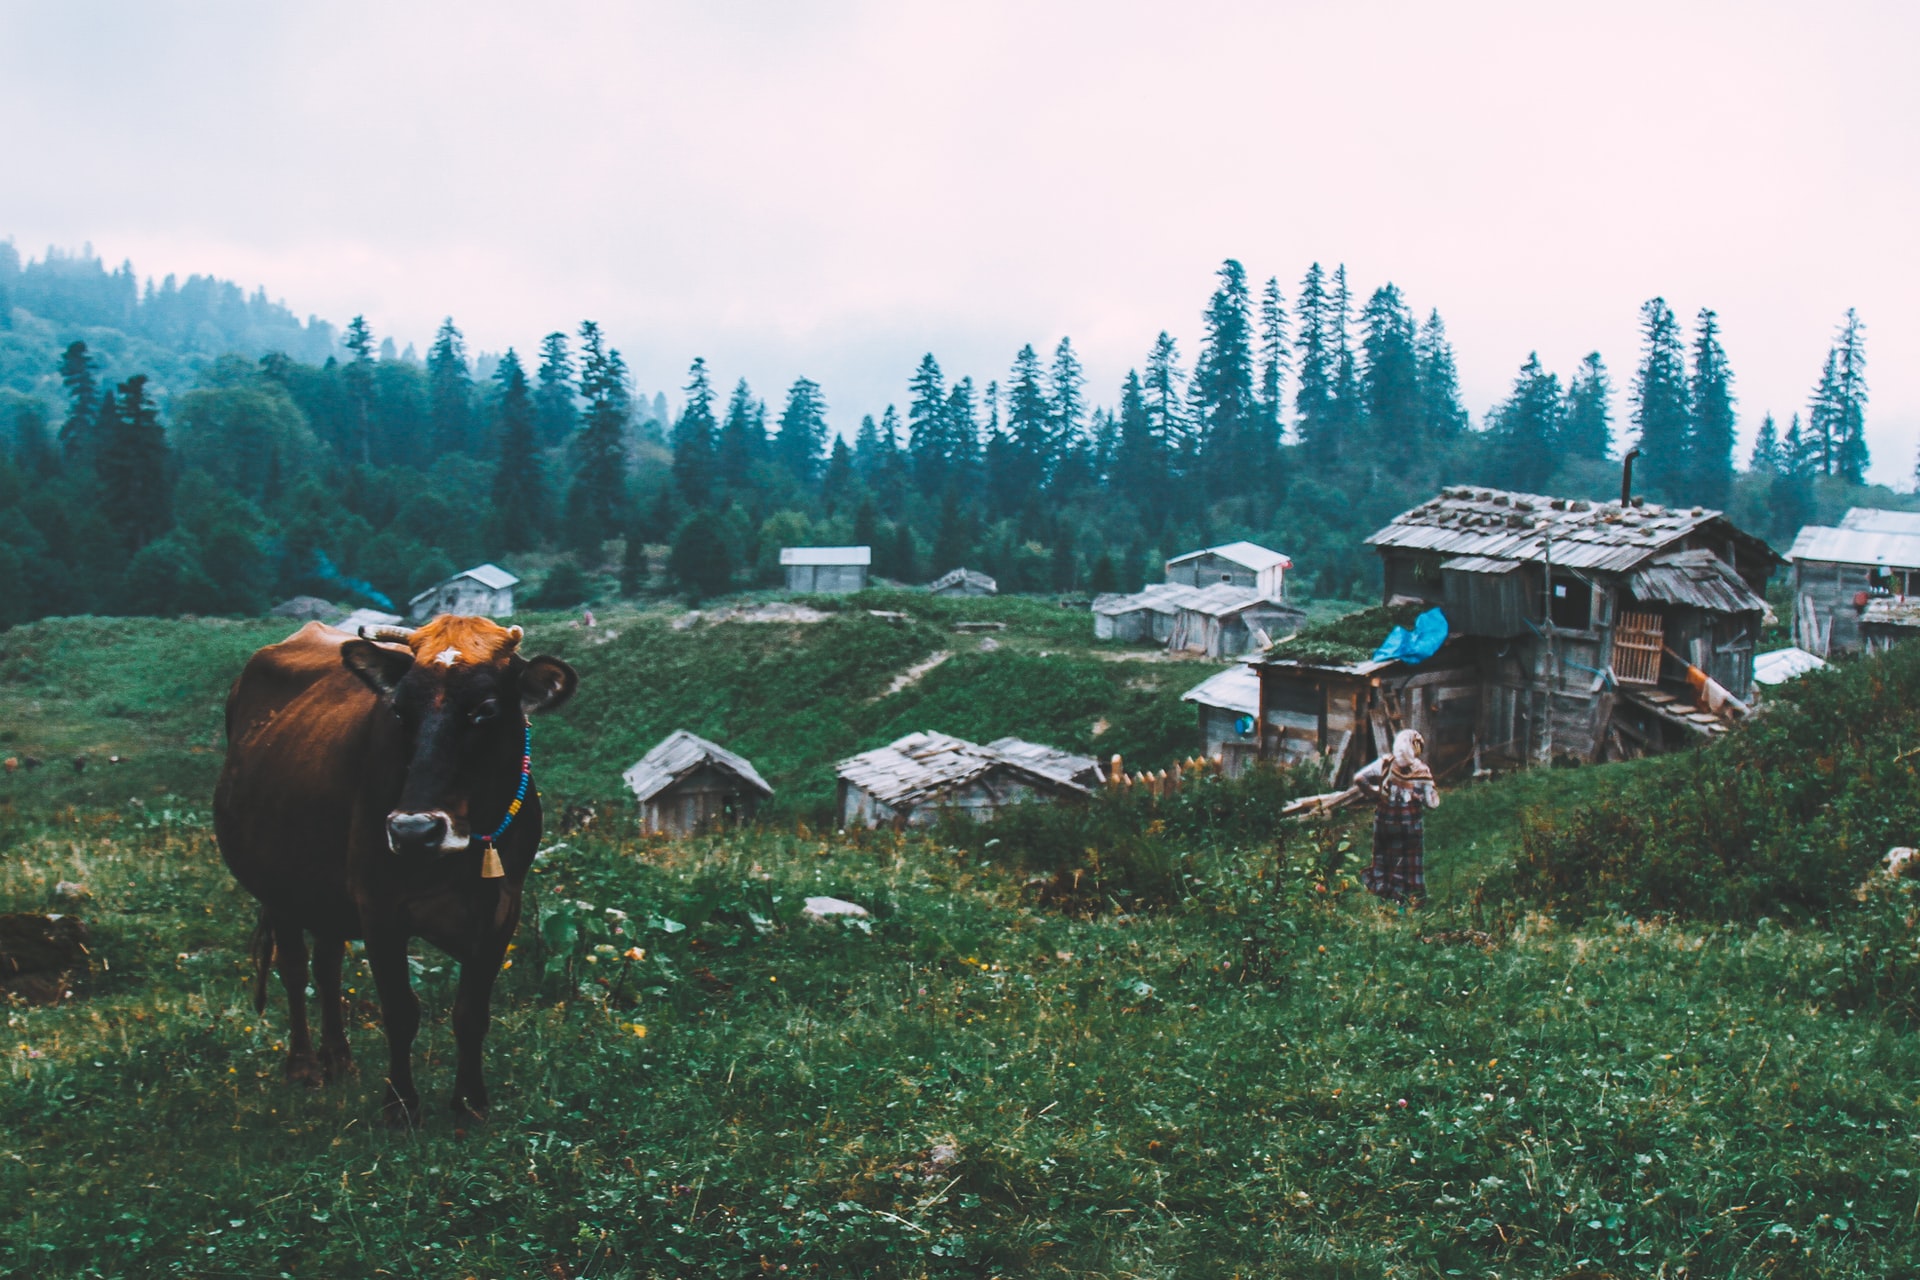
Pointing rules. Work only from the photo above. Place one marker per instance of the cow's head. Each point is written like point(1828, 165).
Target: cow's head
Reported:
point(461, 693)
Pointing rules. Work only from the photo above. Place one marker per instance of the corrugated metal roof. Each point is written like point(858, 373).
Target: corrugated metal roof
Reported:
point(1160, 597)
point(826, 555)
point(1880, 520)
point(923, 766)
point(1856, 546)
point(1250, 555)
point(1062, 766)
point(1220, 600)
point(491, 576)
point(1502, 525)
point(678, 755)
point(1783, 665)
point(1697, 578)
point(1235, 689)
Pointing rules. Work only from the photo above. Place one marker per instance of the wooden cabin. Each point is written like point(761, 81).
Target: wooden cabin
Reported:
point(916, 780)
point(1837, 571)
point(1229, 705)
point(826, 570)
point(963, 582)
point(1141, 617)
point(1245, 565)
point(1222, 621)
point(485, 590)
point(1571, 627)
point(688, 784)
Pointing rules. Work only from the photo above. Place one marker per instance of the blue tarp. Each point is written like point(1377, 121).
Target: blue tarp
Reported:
point(1416, 646)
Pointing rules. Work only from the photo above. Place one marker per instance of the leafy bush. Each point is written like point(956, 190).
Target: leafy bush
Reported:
point(1784, 816)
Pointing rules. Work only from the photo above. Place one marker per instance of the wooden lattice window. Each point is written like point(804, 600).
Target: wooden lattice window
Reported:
point(1638, 644)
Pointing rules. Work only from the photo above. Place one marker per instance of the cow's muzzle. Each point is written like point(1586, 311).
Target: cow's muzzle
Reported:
point(428, 832)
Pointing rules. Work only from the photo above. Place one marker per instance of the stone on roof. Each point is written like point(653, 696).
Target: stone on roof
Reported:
point(924, 766)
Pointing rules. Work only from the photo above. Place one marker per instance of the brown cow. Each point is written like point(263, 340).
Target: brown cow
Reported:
point(369, 793)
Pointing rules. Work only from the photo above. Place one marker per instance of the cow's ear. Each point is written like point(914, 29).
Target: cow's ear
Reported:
point(546, 684)
point(380, 667)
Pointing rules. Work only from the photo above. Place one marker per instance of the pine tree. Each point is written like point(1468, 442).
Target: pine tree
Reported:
point(836, 481)
point(1273, 365)
point(1223, 386)
point(450, 393)
point(1766, 456)
point(597, 497)
point(1313, 386)
point(518, 511)
point(743, 438)
point(356, 440)
point(1850, 401)
point(1390, 372)
point(927, 425)
point(134, 466)
point(1163, 391)
point(803, 431)
point(866, 448)
point(1712, 436)
point(1066, 384)
point(693, 439)
point(555, 412)
point(77, 442)
point(1586, 430)
point(699, 562)
point(1029, 433)
point(1822, 443)
point(1441, 412)
point(1139, 463)
point(963, 438)
point(1526, 429)
point(1661, 407)
point(1348, 409)
point(1790, 496)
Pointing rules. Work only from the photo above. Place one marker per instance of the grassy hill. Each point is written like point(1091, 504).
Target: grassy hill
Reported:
point(1266, 1074)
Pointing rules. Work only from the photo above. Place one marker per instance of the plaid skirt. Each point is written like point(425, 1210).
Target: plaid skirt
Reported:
point(1398, 872)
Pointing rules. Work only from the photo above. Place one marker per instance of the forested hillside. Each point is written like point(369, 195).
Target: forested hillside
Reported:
point(194, 449)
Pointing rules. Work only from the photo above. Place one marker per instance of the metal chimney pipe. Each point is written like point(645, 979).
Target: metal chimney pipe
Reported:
point(1626, 476)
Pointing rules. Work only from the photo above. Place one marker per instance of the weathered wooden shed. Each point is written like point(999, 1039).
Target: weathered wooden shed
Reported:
point(485, 590)
point(963, 582)
point(1571, 627)
point(1229, 704)
point(915, 780)
point(1871, 555)
point(1141, 617)
point(1222, 621)
point(687, 784)
point(1246, 565)
point(826, 570)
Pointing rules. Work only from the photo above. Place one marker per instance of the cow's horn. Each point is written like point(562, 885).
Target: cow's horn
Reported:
point(392, 635)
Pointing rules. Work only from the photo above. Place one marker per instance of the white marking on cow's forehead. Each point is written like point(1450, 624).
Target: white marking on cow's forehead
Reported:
point(447, 657)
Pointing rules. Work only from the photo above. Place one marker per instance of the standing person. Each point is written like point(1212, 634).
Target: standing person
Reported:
point(1403, 790)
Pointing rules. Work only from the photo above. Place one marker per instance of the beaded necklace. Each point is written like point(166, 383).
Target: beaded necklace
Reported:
point(490, 865)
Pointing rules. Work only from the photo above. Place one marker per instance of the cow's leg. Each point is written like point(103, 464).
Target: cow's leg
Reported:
point(335, 1058)
point(290, 944)
point(400, 1012)
point(473, 1014)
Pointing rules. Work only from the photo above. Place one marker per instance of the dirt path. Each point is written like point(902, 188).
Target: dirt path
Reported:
point(915, 673)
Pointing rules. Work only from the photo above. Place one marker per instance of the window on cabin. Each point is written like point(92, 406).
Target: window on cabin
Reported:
point(1572, 603)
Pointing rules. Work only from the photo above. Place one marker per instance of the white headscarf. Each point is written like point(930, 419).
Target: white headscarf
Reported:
point(1408, 747)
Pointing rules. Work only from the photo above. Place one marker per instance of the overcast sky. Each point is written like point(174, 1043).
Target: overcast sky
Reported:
point(833, 189)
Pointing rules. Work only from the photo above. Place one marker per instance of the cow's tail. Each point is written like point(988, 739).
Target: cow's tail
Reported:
point(261, 949)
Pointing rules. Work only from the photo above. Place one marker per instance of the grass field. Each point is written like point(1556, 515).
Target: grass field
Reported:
point(1270, 1076)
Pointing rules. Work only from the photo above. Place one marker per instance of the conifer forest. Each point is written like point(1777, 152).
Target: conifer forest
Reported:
point(191, 448)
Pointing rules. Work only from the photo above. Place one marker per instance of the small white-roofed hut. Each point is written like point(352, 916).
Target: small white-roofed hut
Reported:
point(1229, 706)
point(485, 591)
point(915, 780)
point(1838, 571)
point(826, 570)
point(1246, 565)
point(688, 784)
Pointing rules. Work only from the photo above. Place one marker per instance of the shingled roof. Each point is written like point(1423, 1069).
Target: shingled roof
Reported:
point(926, 766)
point(678, 755)
point(1473, 525)
point(1698, 578)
